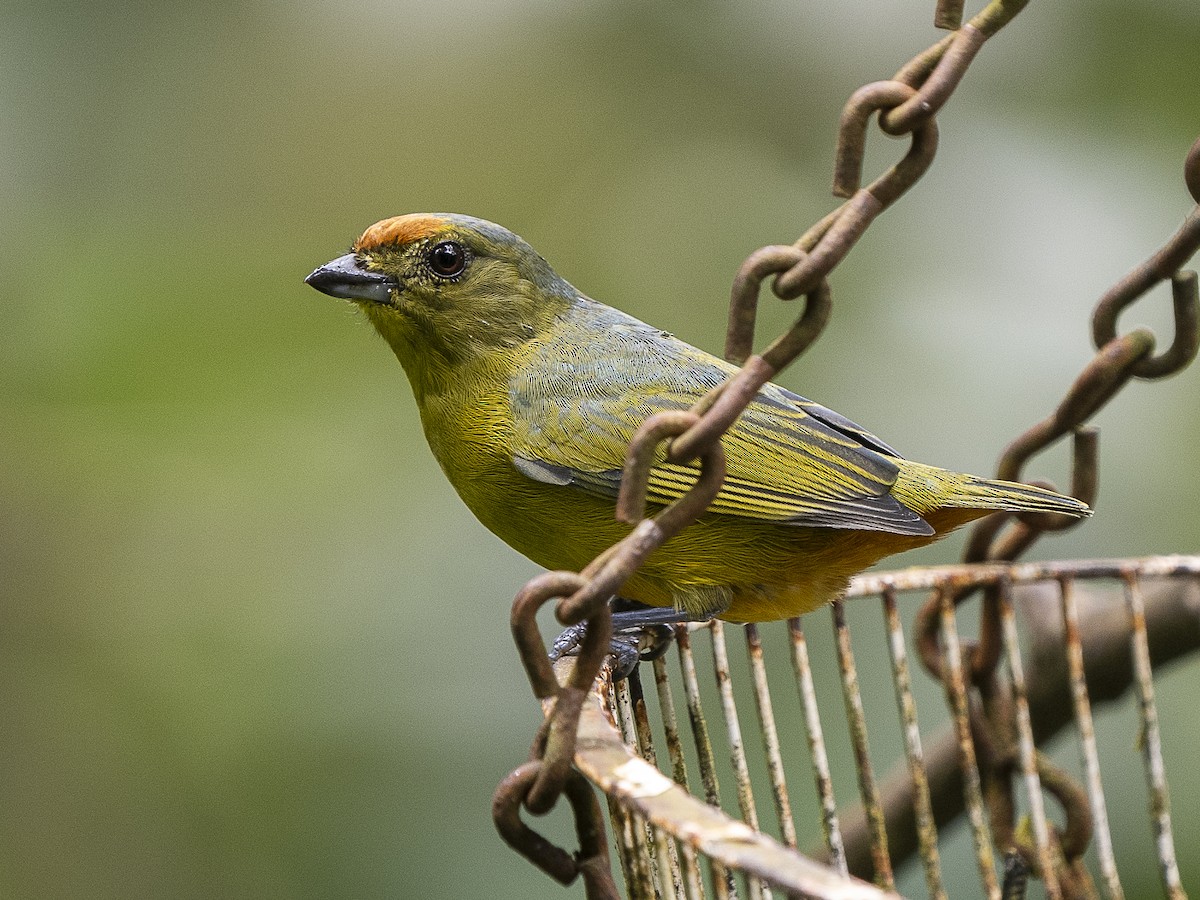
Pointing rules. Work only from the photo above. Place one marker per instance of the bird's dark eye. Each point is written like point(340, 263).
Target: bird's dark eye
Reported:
point(448, 259)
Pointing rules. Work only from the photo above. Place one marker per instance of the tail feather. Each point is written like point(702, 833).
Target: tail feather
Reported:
point(926, 489)
point(981, 493)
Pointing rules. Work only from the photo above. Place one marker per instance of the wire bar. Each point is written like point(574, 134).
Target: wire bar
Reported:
point(646, 864)
point(670, 880)
point(666, 705)
point(923, 805)
point(981, 574)
point(693, 883)
point(722, 883)
point(770, 735)
point(862, 756)
point(1026, 748)
point(1087, 738)
point(621, 818)
point(622, 822)
point(956, 691)
point(737, 749)
point(1151, 740)
point(830, 826)
point(669, 876)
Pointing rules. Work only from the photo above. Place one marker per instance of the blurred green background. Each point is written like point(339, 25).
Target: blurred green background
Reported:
point(251, 644)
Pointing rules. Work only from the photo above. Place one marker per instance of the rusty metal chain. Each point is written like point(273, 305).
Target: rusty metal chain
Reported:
point(906, 104)
point(1004, 536)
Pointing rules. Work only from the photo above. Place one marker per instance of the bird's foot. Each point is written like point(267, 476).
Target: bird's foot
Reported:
point(640, 633)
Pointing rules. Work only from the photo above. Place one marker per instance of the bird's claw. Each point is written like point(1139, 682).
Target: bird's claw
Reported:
point(630, 644)
point(623, 648)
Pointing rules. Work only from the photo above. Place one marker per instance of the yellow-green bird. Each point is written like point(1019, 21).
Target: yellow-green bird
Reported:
point(529, 393)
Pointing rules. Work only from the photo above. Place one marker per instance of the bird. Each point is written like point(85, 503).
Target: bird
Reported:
point(529, 392)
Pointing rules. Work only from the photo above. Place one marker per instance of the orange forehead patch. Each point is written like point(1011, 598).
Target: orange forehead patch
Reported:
point(399, 230)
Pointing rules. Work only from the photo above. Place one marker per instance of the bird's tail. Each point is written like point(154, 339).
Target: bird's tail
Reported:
point(925, 488)
point(982, 493)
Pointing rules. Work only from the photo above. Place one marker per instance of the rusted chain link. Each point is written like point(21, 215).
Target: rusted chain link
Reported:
point(991, 18)
point(592, 859)
point(1003, 537)
point(554, 744)
point(1183, 289)
point(907, 104)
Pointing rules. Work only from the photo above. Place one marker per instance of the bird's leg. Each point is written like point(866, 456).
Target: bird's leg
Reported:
point(640, 632)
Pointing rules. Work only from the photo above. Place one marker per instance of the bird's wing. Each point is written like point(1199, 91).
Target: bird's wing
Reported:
point(789, 460)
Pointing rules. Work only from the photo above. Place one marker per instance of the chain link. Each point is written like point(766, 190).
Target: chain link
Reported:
point(591, 861)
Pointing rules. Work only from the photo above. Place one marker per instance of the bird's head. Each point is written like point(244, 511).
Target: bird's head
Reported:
point(444, 289)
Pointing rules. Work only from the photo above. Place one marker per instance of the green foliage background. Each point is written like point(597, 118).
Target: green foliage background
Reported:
point(251, 644)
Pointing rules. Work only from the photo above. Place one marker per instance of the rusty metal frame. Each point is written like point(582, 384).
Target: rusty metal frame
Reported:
point(615, 751)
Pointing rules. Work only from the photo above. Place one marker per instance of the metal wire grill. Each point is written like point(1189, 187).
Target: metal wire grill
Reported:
point(671, 843)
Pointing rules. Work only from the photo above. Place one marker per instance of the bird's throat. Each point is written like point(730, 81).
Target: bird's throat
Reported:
point(427, 362)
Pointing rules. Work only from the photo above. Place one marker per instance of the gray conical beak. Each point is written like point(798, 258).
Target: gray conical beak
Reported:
point(345, 278)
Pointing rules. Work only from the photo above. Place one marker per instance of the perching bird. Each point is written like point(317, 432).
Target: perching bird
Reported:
point(529, 393)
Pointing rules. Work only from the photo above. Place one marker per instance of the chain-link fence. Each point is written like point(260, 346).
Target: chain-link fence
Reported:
point(997, 726)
